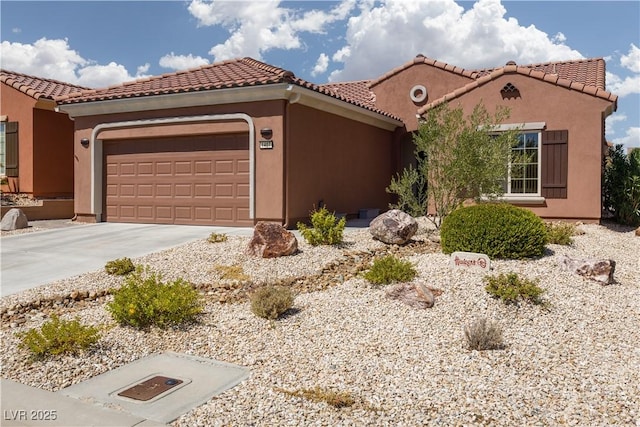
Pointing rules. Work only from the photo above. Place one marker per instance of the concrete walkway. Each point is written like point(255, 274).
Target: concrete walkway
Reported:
point(34, 259)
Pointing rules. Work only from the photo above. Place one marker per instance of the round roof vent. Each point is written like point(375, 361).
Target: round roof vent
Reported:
point(511, 63)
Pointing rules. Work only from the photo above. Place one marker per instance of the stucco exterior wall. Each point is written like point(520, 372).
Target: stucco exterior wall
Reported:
point(345, 164)
point(560, 109)
point(19, 108)
point(269, 163)
point(52, 154)
point(393, 93)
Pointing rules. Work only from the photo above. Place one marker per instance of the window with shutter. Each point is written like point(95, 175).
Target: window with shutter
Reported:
point(9, 149)
point(555, 163)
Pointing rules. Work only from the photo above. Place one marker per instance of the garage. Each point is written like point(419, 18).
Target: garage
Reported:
point(195, 180)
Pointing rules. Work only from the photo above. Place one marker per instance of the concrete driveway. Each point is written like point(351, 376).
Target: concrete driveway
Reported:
point(34, 259)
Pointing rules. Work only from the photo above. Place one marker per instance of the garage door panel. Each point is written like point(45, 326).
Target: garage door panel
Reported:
point(202, 180)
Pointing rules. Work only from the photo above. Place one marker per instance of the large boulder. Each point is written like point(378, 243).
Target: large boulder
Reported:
point(14, 219)
point(393, 227)
point(600, 270)
point(271, 240)
point(415, 294)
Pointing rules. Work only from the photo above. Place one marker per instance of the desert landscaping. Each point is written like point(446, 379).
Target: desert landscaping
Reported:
point(573, 360)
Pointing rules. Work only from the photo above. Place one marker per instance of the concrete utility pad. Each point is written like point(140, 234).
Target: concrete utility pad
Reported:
point(200, 380)
point(29, 406)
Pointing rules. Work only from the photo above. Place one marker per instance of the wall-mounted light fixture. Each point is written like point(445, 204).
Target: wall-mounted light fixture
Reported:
point(266, 133)
point(84, 142)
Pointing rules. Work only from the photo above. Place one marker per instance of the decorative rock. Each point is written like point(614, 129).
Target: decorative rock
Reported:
point(271, 240)
point(15, 219)
point(638, 231)
point(416, 294)
point(594, 269)
point(393, 227)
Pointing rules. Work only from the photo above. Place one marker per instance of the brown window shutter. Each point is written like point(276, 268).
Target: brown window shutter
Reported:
point(555, 163)
point(11, 149)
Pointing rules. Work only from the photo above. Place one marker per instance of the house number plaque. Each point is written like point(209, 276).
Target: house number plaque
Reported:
point(266, 145)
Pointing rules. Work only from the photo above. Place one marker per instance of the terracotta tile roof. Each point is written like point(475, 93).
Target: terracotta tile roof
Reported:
point(588, 77)
point(421, 59)
point(590, 72)
point(234, 73)
point(358, 90)
point(37, 87)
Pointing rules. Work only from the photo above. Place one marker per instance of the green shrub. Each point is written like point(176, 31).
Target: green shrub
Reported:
point(217, 238)
point(144, 301)
point(58, 336)
point(326, 228)
point(510, 288)
point(390, 269)
point(499, 230)
point(271, 302)
point(621, 185)
point(482, 334)
point(120, 266)
point(233, 272)
point(559, 233)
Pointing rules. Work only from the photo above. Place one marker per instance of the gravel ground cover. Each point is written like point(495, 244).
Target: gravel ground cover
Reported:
point(574, 362)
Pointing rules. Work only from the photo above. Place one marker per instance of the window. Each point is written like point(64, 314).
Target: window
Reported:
point(8, 149)
point(524, 166)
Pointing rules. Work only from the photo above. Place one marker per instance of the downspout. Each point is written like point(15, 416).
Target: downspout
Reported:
point(97, 157)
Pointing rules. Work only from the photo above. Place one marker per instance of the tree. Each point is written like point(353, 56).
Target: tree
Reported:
point(457, 158)
point(621, 185)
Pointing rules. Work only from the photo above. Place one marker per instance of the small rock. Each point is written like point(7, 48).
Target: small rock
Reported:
point(271, 240)
point(600, 270)
point(14, 219)
point(638, 231)
point(416, 294)
point(393, 227)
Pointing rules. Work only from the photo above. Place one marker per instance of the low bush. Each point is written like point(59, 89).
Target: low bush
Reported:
point(271, 302)
point(325, 229)
point(482, 334)
point(560, 233)
point(120, 266)
point(499, 230)
point(217, 238)
point(510, 289)
point(390, 269)
point(144, 300)
point(58, 336)
point(336, 399)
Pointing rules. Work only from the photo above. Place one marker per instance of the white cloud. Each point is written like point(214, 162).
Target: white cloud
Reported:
point(631, 61)
point(257, 27)
point(55, 59)
point(397, 30)
point(623, 86)
point(142, 70)
point(182, 62)
point(16, 30)
point(631, 139)
point(321, 65)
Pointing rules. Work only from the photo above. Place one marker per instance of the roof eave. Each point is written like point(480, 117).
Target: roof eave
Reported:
point(279, 91)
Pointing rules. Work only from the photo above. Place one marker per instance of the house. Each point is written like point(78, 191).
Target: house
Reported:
point(36, 142)
point(241, 141)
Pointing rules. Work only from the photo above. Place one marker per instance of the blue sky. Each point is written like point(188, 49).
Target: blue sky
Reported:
point(101, 43)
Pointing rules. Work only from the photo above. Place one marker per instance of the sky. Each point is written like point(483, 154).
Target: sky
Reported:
point(103, 43)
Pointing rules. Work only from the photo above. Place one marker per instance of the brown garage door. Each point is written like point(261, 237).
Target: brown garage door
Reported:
point(201, 180)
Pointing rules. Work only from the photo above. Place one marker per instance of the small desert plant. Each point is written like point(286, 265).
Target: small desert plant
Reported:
point(144, 300)
point(336, 399)
point(232, 272)
point(271, 302)
point(499, 230)
point(58, 336)
point(483, 334)
point(217, 238)
point(510, 288)
point(326, 228)
point(120, 266)
point(559, 233)
point(390, 269)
